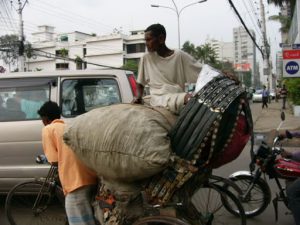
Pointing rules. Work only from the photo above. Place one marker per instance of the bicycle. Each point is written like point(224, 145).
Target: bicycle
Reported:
point(209, 204)
point(37, 202)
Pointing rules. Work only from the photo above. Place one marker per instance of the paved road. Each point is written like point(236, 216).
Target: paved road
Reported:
point(240, 164)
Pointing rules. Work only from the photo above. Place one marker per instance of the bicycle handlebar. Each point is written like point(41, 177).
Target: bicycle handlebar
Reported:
point(41, 159)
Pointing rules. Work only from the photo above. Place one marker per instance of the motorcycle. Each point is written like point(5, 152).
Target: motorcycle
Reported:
point(256, 191)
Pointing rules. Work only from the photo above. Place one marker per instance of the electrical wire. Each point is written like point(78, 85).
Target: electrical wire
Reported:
point(51, 55)
point(69, 16)
point(258, 31)
point(244, 25)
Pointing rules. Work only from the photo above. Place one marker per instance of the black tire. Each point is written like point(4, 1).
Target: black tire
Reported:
point(258, 198)
point(20, 203)
point(209, 200)
point(160, 220)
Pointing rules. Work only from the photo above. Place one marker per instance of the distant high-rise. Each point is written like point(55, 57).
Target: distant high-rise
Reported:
point(224, 50)
point(244, 53)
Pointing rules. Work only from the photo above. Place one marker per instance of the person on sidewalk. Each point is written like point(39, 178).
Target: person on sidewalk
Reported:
point(293, 189)
point(78, 181)
point(265, 97)
point(166, 71)
point(283, 94)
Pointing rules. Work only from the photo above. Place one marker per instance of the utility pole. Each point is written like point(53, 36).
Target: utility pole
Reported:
point(266, 49)
point(21, 59)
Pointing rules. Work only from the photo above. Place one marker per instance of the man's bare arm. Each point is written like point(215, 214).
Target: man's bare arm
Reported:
point(140, 91)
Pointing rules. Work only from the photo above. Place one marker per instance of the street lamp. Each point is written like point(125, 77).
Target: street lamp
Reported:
point(178, 12)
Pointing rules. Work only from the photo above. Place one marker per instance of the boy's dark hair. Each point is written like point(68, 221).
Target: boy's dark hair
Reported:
point(156, 30)
point(50, 110)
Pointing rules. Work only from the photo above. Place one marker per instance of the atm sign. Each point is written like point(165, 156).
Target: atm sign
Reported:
point(291, 61)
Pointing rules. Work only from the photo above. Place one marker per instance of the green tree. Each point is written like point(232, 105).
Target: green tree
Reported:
point(284, 20)
point(64, 52)
point(78, 61)
point(189, 48)
point(131, 65)
point(291, 3)
point(207, 54)
point(9, 46)
point(204, 53)
point(293, 86)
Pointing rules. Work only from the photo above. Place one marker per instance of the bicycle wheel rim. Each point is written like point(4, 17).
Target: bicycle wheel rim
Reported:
point(160, 220)
point(20, 201)
point(258, 198)
point(209, 199)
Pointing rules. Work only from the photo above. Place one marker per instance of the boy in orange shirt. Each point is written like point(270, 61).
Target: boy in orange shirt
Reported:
point(78, 181)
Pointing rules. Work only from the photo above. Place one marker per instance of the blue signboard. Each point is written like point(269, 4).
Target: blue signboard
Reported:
point(295, 46)
point(292, 67)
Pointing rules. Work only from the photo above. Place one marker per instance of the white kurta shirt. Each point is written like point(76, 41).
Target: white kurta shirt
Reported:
point(167, 76)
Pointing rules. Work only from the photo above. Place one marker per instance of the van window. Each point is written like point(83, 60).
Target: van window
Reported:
point(82, 95)
point(20, 99)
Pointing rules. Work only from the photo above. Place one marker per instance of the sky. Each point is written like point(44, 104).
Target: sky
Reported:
point(213, 18)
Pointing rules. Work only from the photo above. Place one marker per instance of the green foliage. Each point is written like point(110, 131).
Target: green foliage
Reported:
point(9, 47)
point(64, 52)
point(78, 61)
point(293, 87)
point(285, 21)
point(131, 65)
point(204, 53)
point(28, 50)
point(247, 79)
point(291, 3)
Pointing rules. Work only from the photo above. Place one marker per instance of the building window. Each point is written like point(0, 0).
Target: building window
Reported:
point(135, 48)
point(62, 66)
point(84, 52)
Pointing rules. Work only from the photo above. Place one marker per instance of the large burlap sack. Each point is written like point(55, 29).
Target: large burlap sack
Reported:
point(121, 142)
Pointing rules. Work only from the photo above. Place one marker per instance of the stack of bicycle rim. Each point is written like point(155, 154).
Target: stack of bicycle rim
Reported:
point(203, 129)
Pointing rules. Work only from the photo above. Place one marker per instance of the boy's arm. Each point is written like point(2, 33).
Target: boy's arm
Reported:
point(49, 146)
point(140, 90)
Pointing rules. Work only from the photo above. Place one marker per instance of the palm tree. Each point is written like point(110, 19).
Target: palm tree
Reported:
point(189, 48)
point(206, 54)
point(286, 22)
point(291, 3)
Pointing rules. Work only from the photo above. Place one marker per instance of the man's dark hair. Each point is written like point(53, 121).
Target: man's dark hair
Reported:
point(156, 30)
point(50, 110)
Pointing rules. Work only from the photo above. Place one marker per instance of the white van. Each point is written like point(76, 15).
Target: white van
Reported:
point(22, 94)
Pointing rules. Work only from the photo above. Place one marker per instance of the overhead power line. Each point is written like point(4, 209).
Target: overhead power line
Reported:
point(246, 28)
point(51, 55)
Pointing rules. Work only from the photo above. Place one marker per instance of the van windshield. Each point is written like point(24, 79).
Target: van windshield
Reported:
point(20, 99)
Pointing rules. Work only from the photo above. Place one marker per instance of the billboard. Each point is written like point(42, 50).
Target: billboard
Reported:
point(291, 60)
point(242, 67)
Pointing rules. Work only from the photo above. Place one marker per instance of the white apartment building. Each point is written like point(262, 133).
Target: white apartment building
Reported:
point(244, 53)
point(224, 50)
point(57, 51)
